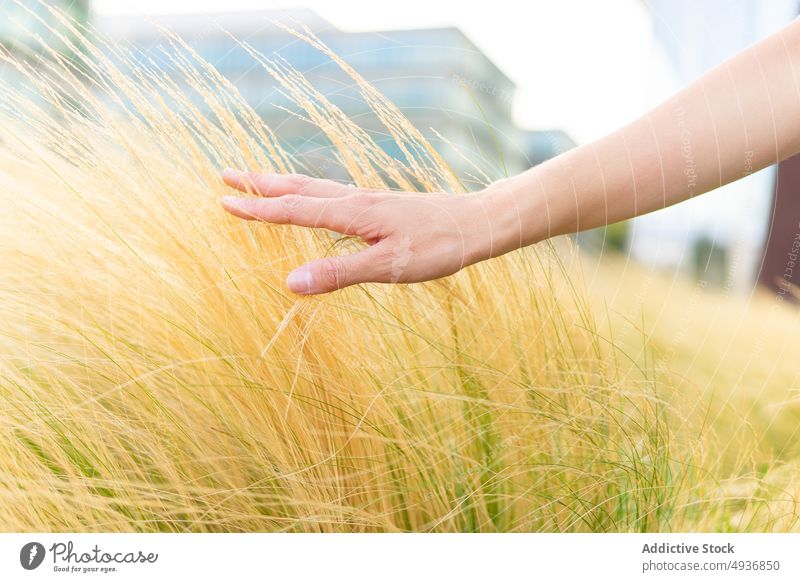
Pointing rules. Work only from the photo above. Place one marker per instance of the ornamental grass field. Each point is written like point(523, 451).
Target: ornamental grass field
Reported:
point(157, 375)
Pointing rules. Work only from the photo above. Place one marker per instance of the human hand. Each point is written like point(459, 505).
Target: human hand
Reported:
point(412, 237)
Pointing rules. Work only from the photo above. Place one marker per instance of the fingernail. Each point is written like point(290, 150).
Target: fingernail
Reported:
point(299, 281)
point(230, 173)
point(231, 201)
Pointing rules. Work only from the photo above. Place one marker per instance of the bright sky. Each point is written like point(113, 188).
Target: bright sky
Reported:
point(580, 65)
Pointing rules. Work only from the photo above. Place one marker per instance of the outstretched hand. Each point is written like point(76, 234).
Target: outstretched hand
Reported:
point(412, 237)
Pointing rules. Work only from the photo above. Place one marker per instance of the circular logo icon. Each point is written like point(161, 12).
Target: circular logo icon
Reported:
point(31, 555)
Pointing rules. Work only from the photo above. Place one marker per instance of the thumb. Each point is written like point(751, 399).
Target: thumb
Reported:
point(332, 273)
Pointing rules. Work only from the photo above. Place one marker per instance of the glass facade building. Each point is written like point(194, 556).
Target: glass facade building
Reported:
point(444, 84)
point(21, 24)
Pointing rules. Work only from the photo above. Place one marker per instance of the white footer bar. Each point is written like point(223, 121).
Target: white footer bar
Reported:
point(388, 557)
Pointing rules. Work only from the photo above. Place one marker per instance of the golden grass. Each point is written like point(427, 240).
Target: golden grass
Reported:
point(156, 375)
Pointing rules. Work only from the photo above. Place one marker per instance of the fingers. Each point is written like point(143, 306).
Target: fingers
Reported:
point(330, 274)
point(271, 185)
point(304, 201)
point(341, 214)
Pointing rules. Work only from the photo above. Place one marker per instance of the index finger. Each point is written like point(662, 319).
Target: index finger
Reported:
point(339, 215)
point(271, 185)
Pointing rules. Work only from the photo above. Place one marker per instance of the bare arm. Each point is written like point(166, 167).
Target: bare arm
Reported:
point(738, 118)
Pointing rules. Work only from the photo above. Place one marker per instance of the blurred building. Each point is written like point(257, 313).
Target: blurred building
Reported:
point(20, 25)
point(541, 145)
point(24, 30)
point(445, 85)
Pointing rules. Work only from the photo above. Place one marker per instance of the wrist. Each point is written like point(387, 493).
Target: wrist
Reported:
point(514, 213)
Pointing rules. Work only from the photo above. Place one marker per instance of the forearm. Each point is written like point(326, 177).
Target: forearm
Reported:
point(738, 118)
point(735, 120)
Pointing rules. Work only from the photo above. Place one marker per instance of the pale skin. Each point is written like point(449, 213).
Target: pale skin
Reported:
point(738, 118)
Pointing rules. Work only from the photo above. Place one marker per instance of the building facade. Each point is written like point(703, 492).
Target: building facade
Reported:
point(20, 25)
point(445, 85)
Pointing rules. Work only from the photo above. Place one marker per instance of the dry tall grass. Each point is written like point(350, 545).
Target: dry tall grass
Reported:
point(156, 375)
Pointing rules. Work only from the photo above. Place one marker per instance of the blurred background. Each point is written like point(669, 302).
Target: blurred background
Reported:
point(496, 87)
